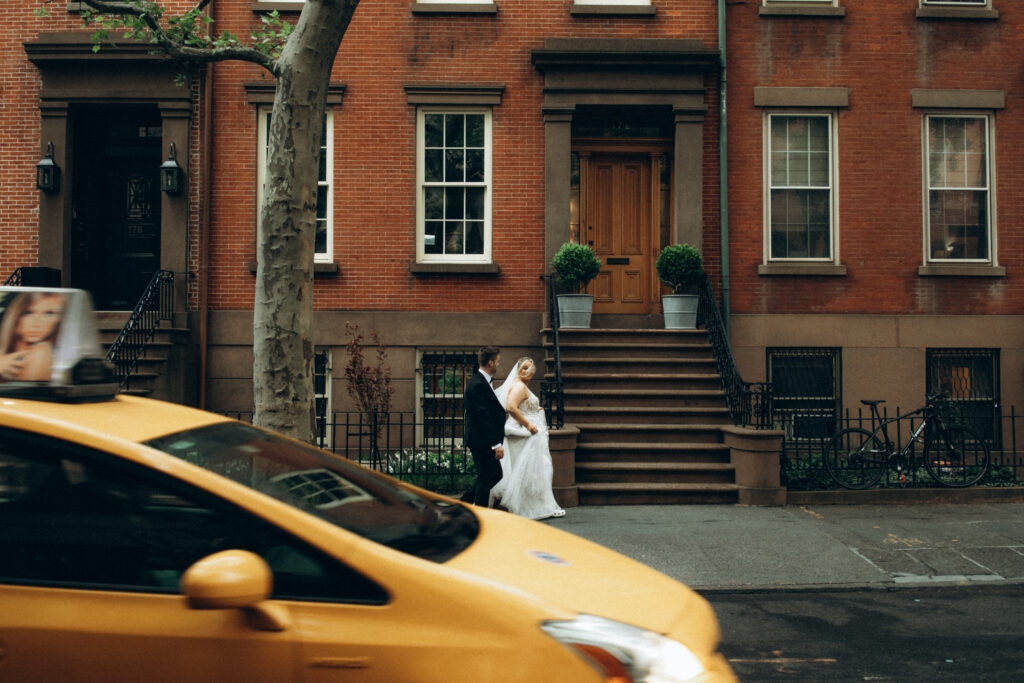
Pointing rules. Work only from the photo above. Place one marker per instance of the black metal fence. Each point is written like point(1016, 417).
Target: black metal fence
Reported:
point(426, 452)
point(808, 435)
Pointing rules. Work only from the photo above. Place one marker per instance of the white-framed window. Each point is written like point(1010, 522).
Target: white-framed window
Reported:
point(800, 197)
point(324, 243)
point(322, 398)
point(453, 179)
point(958, 197)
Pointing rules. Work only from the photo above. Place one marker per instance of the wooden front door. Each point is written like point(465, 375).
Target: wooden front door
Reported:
point(619, 216)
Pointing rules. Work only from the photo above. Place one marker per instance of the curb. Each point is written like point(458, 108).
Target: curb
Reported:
point(887, 586)
point(908, 496)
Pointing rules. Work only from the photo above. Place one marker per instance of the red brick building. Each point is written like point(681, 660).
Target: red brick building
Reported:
point(542, 95)
point(874, 203)
point(855, 254)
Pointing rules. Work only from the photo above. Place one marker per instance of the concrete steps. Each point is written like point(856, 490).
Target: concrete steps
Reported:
point(157, 365)
point(649, 405)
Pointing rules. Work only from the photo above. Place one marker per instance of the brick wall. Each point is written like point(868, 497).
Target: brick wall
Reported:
point(880, 51)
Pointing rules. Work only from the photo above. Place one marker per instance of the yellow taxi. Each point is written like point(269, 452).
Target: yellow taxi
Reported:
point(148, 541)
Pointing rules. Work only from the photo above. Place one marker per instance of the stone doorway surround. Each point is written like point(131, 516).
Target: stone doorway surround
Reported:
point(624, 72)
point(71, 74)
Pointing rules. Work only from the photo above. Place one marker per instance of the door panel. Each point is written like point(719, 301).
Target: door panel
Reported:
point(617, 215)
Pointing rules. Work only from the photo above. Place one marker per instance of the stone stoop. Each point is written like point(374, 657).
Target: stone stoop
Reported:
point(155, 374)
point(650, 407)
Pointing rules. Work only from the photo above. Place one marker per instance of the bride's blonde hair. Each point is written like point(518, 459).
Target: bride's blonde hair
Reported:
point(523, 361)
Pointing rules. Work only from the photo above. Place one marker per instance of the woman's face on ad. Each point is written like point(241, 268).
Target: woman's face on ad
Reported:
point(41, 318)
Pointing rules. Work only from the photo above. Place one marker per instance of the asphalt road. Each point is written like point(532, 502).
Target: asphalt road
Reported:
point(958, 633)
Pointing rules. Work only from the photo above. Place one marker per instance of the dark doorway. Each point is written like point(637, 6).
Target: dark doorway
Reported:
point(116, 202)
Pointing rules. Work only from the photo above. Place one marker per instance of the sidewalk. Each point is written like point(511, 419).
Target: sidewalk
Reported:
point(728, 548)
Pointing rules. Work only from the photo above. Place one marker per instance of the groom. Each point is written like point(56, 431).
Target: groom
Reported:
point(485, 424)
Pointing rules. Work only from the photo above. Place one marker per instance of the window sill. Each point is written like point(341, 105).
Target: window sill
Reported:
point(454, 8)
point(454, 268)
point(957, 13)
point(319, 268)
point(829, 269)
point(606, 10)
point(280, 6)
point(961, 271)
point(791, 11)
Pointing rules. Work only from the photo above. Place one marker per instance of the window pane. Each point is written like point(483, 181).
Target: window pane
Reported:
point(474, 237)
point(474, 165)
point(474, 130)
point(475, 203)
point(433, 165)
point(454, 166)
point(433, 203)
point(432, 240)
point(801, 218)
point(453, 202)
point(320, 240)
point(454, 130)
point(433, 130)
point(453, 237)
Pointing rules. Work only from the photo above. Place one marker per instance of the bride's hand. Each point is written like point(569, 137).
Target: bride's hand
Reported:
point(533, 428)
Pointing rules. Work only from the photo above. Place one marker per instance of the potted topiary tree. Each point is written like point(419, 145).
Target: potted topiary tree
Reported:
point(575, 265)
point(680, 268)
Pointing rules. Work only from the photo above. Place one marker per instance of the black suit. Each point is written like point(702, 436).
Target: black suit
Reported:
point(484, 428)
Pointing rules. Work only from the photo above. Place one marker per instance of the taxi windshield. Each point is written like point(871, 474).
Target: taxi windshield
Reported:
point(333, 489)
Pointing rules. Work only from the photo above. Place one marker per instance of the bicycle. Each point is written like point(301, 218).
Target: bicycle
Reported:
point(954, 455)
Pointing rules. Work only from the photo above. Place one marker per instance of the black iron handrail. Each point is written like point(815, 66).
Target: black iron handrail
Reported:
point(551, 394)
point(155, 304)
point(750, 403)
point(14, 279)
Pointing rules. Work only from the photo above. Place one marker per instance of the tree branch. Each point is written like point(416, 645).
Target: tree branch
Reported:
point(149, 13)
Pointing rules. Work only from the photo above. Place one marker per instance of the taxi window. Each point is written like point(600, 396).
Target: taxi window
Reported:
point(70, 517)
point(332, 488)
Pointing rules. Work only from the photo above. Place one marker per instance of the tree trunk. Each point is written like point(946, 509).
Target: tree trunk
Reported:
point(283, 314)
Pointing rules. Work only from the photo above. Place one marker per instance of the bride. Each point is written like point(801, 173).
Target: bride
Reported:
point(525, 486)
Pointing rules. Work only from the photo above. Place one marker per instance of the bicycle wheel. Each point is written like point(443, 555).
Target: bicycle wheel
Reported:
point(957, 456)
point(855, 458)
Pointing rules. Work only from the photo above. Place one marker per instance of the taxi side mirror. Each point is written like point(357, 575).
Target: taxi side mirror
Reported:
point(235, 579)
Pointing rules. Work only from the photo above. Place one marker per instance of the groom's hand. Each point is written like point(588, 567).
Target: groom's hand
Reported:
point(499, 453)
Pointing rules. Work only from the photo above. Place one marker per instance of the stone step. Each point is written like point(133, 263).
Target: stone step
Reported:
point(649, 433)
point(646, 415)
point(712, 398)
point(629, 451)
point(573, 365)
point(666, 381)
point(617, 336)
point(657, 494)
point(655, 472)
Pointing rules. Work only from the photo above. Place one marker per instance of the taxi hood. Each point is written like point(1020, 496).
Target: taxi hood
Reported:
point(584, 577)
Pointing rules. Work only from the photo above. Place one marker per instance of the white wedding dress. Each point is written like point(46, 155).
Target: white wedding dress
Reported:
point(525, 486)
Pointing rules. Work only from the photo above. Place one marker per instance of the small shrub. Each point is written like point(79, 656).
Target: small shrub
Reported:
point(679, 267)
point(575, 265)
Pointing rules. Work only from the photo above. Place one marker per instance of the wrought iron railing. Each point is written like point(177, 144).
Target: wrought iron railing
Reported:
point(551, 391)
point(155, 305)
point(805, 441)
point(14, 279)
point(750, 403)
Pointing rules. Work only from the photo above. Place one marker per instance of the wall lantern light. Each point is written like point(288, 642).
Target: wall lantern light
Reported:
point(48, 172)
point(171, 175)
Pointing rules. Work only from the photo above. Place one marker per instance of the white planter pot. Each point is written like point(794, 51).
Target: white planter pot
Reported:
point(574, 310)
point(680, 311)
